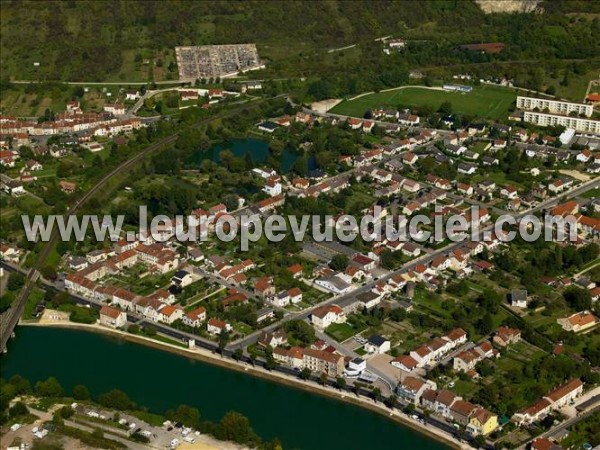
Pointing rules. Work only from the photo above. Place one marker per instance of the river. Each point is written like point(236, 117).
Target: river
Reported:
point(160, 380)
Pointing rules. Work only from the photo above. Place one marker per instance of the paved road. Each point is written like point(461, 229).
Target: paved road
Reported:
point(567, 424)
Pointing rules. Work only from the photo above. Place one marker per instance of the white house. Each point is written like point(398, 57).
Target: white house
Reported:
point(216, 326)
point(182, 278)
point(195, 317)
point(326, 315)
point(273, 187)
point(377, 344)
point(518, 298)
point(112, 317)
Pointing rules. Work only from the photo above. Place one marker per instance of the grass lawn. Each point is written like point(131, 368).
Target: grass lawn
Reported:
point(341, 331)
point(34, 298)
point(593, 193)
point(465, 389)
point(242, 328)
point(485, 101)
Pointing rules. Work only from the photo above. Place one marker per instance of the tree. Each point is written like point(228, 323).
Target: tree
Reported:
point(301, 331)
point(21, 385)
point(305, 374)
point(323, 379)
point(15, 281)
point(577, 298)
point(223, 340)
point(236, 427)
point(391, 401)
point(49, 388)
point(479, 441)
point(116, 399)
point(485, 324)
point(186, 415)
point(57, 419)
point(80, 392)
point(340, 383)
point(339, 262)
point(18, 409)
point(237, 354)
point(66, 412)
point(445, 108)
point(270, 362)
point(376, 393)
point(48, 272)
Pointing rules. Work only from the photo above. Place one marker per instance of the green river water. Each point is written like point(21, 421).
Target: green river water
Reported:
point(160, 380)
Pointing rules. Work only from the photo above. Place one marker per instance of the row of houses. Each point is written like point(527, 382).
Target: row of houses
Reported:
point(430, 353)
point(476, 419)
point(554, 400)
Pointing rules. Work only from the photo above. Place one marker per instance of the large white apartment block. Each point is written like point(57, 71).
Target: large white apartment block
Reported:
point(554, 106)
point(576, 123)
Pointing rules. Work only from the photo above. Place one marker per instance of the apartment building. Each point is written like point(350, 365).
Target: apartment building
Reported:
point(576, 123)
point(554, 106)
point(319, 361)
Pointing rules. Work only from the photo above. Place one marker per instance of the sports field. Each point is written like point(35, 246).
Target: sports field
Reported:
point(483, 101)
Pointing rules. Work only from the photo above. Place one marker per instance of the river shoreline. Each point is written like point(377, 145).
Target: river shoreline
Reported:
point(218, 360)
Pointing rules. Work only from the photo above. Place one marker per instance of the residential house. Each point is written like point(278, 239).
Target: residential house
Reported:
point(411, 388)
point(195, 317)
point(405, 362)
point(216, 326)
point(296, 271)
point(461, 412)
point(295, 295)
point(578, 322)
point(377, 344)
point(182, 278)
point(274, 339)
point(112, 317)
point(508, 192)
point(505, 336)
point(544, 444)
point(264, 288)
point(482, 422)
point(518, 298)
point(169, 313)
point(324, 316)
point(444, 401)
point(409, 158)
point(294, 357)
point(67, 187)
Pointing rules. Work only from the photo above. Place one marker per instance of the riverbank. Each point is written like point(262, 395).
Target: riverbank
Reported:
point(217, 360)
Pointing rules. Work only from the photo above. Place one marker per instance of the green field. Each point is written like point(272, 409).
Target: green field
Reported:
point(484, 101)
point(341, 331)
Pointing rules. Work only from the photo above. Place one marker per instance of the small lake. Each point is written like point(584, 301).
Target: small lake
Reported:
point(258, 150)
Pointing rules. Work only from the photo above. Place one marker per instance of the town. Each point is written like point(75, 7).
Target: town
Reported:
point(489, 340)
point(355, 312)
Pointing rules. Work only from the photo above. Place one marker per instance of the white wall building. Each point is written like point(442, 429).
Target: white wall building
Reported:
point(576, 123)
point(554, 106)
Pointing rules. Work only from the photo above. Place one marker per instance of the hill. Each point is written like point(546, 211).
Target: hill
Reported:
point(124, 41)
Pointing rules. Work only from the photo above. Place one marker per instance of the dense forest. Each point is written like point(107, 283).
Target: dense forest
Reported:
point(94, 40)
